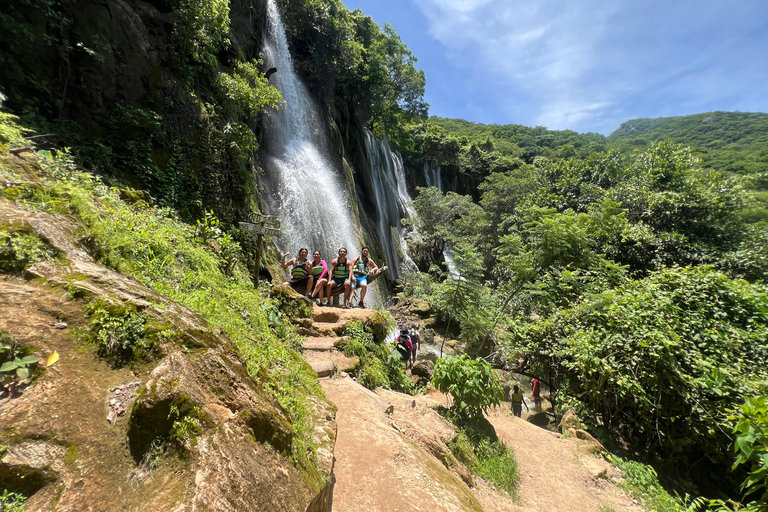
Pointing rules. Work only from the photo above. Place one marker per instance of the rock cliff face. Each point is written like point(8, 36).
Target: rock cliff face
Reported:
point(189, 430)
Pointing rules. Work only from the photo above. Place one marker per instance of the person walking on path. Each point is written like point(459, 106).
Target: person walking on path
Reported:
point(404, 346)
point(416, 342)
point(518, 401)
point(301, 272)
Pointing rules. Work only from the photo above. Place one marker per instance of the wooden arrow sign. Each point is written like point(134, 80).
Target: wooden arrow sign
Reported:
point(258, 229)
point(257, 218)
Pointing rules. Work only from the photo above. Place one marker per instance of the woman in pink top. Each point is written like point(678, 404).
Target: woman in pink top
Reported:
point(320, 273)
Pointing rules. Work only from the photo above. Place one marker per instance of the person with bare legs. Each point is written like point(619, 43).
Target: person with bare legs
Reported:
point(415, 341)
point(518, 401)
point(301, 272)
point(340, 273)
point(320, 275)
point(360, 269)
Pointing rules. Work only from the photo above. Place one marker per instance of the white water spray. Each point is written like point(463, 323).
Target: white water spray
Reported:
point(393, 202)
point(301, 186)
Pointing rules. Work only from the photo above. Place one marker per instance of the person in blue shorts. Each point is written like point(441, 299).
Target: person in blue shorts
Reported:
point(361, 268)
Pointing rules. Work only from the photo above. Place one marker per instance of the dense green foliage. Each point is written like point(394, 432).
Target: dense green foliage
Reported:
point(379, 366)
point(355, 65)
point(617, 281)
point(472, 385)
point(726, 141)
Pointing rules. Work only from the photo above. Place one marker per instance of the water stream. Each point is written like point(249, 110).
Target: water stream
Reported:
point(393, 203)
point(301, 184)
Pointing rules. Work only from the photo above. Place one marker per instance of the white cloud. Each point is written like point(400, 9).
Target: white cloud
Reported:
point(565, 63)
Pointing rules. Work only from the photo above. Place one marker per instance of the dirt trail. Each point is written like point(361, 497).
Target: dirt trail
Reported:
point(387, 462)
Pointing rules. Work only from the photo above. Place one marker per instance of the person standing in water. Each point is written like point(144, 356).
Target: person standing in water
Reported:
point(301, 272)
point(360, 269)
point(341, 274)
point(320, 275)
point(518, 401)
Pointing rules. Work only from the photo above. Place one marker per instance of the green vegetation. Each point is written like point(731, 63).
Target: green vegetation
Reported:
point(487, 457)
point(121, 335)
point(16, 363)
point(642, 483)
point(179, 261)
point(179, 120)
point(379, 366)
point(725, 141)
point(619, 282)
point(473, 385)
point(12, 501)
point(20, 249)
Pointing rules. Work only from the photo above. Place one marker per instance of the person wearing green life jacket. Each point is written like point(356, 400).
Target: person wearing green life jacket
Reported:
point(320, 275)
point(361, 267)
point(301, 271)
point(518, 401)
point(340, 274)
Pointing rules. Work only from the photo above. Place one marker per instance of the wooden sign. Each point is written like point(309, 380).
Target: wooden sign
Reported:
point(257, 225)
point(257, 218)
point(258, 229)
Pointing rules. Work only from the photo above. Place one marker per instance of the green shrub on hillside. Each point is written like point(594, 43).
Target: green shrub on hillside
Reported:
point(163, 253)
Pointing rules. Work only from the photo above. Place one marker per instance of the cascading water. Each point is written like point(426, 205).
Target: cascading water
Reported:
point(433, 174)
point(392, 201)
point(301, 186)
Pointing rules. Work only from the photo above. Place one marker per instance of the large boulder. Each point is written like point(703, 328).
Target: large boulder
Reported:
point(424, 369)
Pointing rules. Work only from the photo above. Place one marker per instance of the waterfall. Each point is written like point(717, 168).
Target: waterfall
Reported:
point(392, 201)
point(301, 186)
point(433, 175)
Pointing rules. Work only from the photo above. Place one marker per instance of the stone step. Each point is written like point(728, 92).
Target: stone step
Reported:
point(319, 346)
point(323, 343)
point(322, 368)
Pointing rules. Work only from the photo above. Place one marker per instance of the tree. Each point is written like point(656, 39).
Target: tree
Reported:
point(472, 384)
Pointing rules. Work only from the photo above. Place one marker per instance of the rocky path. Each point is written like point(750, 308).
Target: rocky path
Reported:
point(390, 447)
point(324, 334)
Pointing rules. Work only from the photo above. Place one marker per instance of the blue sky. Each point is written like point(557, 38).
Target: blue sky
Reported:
point(584, 65)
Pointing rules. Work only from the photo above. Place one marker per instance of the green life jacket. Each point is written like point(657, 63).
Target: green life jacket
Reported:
point(360, 267)
point(317, 269)
point(299, 269)
point(341, 271)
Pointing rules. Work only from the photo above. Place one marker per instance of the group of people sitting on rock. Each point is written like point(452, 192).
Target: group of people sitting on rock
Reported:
point(407, 343)
point(320, 279)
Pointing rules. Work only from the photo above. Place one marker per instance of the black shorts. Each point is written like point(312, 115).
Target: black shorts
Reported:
point(298, 281)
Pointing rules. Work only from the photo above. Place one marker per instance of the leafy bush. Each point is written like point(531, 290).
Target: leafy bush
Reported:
point(379, 366)
point(656, 360)
point(751, 447)
point(121, 334)
point(487, 457)
point(472, 384)
point(12, 501)
point(20, 249)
